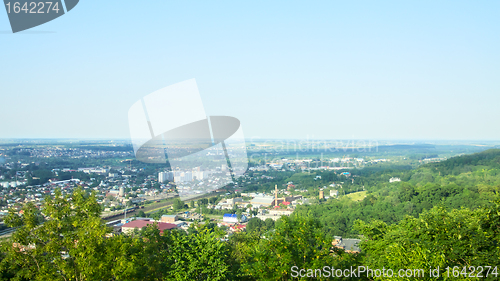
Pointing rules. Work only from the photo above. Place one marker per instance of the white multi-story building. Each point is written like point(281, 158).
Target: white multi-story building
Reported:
point(165, 176)
point(188, 176)
point(200, 175)
point(183, 176)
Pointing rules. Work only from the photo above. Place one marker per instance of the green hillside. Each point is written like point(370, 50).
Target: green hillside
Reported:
point(468, 181)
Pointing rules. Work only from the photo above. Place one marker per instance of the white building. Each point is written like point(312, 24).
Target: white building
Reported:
point(262, 200)
point(184, 176)
point(165, 176)
point(188, 176)
point(280, 212)
point(394, 179)
point(200, 175)
point(233, 201)
point(93, 170)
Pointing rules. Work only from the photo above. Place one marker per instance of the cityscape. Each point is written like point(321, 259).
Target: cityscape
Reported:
point(249, 140)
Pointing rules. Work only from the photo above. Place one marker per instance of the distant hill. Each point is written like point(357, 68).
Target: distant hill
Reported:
point(406, 146)
point(489, 159)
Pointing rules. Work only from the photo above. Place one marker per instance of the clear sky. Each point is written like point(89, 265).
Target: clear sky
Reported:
point(285, 69)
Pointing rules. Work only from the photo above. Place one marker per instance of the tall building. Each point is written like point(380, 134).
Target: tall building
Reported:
point(321, 194)
point(188, 176)
point(165, 176)
point(122, 192)
point(184, 176)
point(200, 175)
point(162, 177)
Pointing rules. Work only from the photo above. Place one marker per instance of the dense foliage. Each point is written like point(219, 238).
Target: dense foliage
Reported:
point(444, 215)
point(467, 181)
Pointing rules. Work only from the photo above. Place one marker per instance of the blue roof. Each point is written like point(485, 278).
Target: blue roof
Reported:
point(230, 216)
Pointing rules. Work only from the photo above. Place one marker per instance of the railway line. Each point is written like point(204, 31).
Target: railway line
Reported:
point(132, 211)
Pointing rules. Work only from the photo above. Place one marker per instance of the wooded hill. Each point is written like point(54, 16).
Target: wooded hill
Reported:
point(468, 181)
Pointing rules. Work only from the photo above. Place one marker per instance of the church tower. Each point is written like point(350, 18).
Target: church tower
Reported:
point(276, 195)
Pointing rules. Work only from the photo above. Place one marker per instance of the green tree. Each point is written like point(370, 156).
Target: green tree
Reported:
point(69, 245)
point(213, 200)
point(296, 241)
point(178, 204)
point(269, 223)
point(438, 238)
point(239, 214)
point(255, 225)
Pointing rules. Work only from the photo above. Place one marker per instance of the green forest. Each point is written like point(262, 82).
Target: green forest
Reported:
point(443, 216)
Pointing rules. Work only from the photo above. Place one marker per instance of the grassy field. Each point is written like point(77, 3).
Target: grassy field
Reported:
point(356, 196)
point(219, 217)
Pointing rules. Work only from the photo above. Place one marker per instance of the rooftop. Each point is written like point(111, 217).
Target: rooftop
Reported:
point(348, 244)
point(142, 223)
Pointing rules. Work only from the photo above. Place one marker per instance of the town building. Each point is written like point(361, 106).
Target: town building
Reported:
point(334, 193)
point(169, 218)
point(262, 200)
point(233, 201)
point(233, 218)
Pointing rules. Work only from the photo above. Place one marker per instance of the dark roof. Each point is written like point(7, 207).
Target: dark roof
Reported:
point(348, 244)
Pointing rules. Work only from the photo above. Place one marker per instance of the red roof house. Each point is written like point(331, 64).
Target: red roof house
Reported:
point(129, 227)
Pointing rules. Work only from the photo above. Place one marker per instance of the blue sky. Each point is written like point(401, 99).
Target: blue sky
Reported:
point(286, 69)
